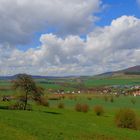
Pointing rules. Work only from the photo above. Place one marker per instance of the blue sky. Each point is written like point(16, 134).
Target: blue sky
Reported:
point(61, 37)
point(111, 10)
point(117, 8)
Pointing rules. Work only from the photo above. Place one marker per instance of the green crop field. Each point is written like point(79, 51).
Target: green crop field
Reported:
point(52, 123)
point(111, 81)
point(93, 82)
point(5, 83)
point(88, 82)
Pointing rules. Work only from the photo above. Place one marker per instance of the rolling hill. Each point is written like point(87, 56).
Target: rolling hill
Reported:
point(131, 71)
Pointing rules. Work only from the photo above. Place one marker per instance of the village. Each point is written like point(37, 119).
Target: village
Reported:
point(114, 90)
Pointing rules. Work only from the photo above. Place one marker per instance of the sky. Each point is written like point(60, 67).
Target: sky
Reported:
point(62, 37)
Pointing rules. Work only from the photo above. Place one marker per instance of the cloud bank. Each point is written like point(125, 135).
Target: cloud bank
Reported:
point(104, 49)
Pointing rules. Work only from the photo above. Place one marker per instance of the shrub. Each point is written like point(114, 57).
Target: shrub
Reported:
point(78, 107)
point(111, 99)
point(20, 106)
point(61, 105)
point(89, 98)
point(126, 118)
point(17, 106)
point(133, 101)
point(63, 96)
point(99, 110)
point(43, 102)
point(84, 108)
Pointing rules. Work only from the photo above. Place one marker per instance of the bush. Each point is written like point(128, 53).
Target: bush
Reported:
point(43, 102)
point(17, 106)
point(126, 118)
point(99, 110)
point(61, 105)
point(133, 101)
point(84, 108)
point(81, 107)
point(78, 107)
point(63, 96)
point(111, 99)
point(20, 106)
point(89, 98)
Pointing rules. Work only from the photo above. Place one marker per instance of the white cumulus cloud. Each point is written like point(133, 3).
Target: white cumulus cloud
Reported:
point(107, 48)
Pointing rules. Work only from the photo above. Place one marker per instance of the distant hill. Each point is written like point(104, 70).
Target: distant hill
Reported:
point(37, 77)
point(132, 71)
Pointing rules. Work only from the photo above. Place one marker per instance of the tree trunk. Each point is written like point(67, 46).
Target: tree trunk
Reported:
point(25, 103)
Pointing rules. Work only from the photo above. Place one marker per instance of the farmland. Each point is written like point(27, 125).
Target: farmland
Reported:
point(93, 82)
point(72, 83)
point(53, 123)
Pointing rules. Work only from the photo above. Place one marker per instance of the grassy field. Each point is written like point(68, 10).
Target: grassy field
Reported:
point(52, 123)
point(91, 82)
point(88, 82)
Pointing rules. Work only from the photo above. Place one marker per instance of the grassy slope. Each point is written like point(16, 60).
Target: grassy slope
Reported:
point(67, 124)
point(112, 81)
point(102, 81)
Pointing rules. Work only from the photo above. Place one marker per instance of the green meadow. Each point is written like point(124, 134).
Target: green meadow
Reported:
point(88, 82)
point(91, 82)
point(53, 123)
